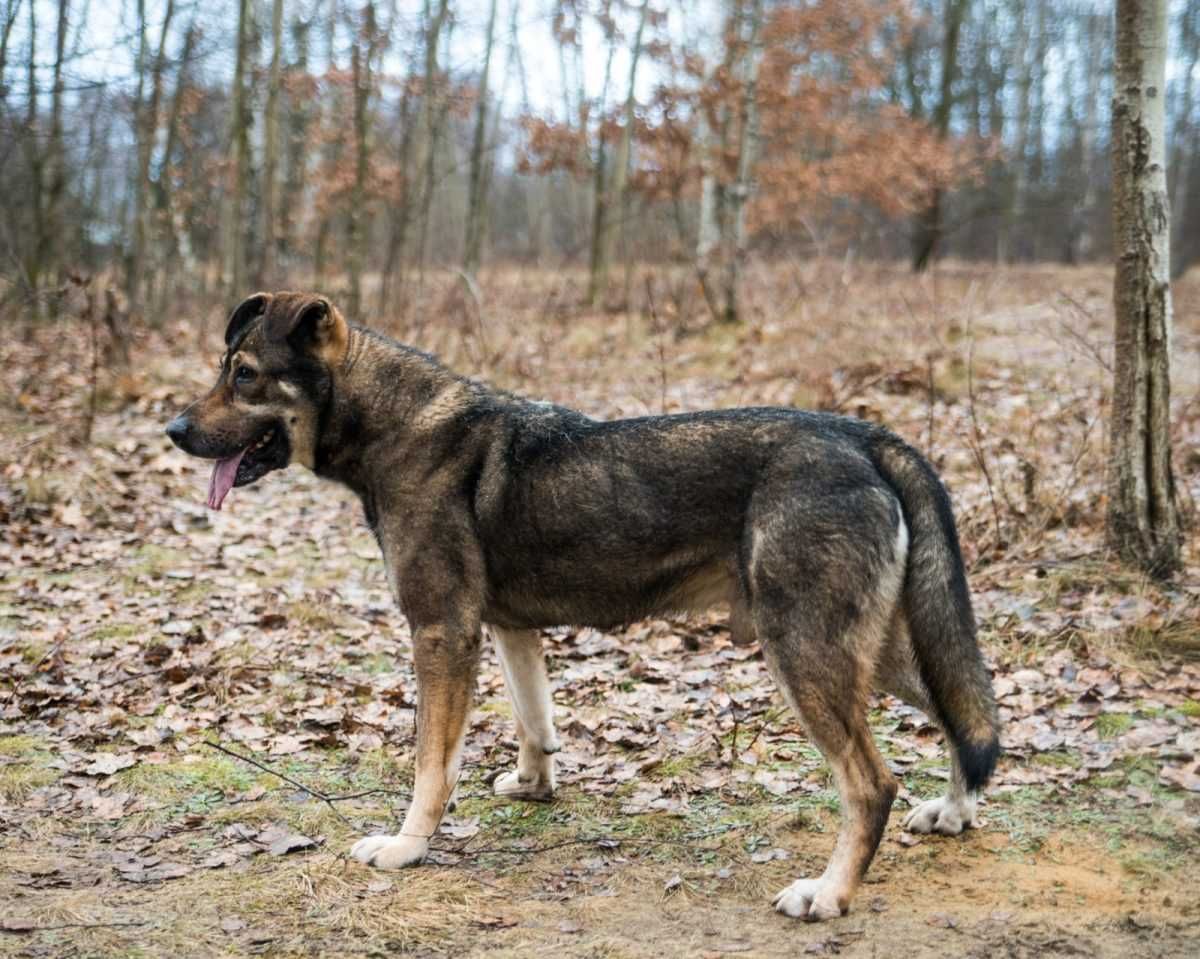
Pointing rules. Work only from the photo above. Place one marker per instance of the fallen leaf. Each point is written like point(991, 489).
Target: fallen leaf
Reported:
point(105, 764)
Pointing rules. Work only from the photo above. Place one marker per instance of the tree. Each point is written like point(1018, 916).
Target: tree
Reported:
point(1185, 247)
point(476, 200)
point(1143, 521)
point(612, 206)
point(273, 134)
point(146, 114)
point(930, 225)
point(235, 226)
point(721, 239)
point(8, 20)
point(368, 42)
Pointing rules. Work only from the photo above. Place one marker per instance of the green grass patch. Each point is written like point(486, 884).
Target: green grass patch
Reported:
point(1112, 725)
point(24, 767)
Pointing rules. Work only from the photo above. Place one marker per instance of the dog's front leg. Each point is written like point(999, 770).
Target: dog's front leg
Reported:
point(446, 663)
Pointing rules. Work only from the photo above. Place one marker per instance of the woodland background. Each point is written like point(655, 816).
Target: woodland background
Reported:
point(214, 147)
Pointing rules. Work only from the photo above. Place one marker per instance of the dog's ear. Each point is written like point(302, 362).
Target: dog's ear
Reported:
point(313, 325)
point(249, 309)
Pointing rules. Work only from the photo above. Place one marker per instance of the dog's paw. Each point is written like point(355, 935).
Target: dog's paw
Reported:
point(390, 852)
point(812, 900)
point(510, 785)
point(944, 815)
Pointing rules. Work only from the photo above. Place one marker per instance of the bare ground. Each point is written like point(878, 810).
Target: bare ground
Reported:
point(136, 630)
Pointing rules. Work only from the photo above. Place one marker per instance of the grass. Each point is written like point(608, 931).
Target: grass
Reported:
point(24, 767)
point(1112, 725)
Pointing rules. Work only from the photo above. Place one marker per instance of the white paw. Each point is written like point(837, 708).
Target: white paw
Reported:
point(812, 900)
point(512, 786)
point(390, 852)
point(943, 815)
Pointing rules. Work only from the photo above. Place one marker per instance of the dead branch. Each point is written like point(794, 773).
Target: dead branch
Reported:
point(316, 794)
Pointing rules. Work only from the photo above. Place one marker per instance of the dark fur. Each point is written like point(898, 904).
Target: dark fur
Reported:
point(492, 509)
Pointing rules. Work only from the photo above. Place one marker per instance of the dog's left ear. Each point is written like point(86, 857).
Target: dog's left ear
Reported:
point(313, 326)
point(248, 310)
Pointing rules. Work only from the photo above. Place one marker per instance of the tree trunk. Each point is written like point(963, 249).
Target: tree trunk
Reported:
point(733, 240)
point(1014, 212)
point(597, 265)
point(239, 157)
point(331, 151)
point(56, 149)
point(147, 133)
point(269, 231)
point(714, 194)
point(929, 223)
point(1082, 238)
point(35, 160)
point(476, 197)
point(361, 58)
point(1184, 245)
point(12, 10)
point(165, 212)
point(434, 105)
point(1143, 522)
point(617, 205)
point(299, 117)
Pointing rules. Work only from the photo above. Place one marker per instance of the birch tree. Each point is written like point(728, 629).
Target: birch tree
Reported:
point(8, 20)
point(1143, 521)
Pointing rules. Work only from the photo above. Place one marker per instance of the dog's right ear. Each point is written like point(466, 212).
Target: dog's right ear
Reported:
point(249, 309)
point(313, 325)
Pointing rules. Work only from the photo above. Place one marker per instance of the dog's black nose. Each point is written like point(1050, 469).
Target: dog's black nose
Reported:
point(178, 430)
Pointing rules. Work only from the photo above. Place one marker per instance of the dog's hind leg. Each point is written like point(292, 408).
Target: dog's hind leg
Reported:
point(524, 667)
point(825, 692)
point(822, 598)
point(954, 812)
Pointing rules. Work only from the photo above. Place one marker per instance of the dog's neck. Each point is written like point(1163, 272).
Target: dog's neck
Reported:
point(386, 402)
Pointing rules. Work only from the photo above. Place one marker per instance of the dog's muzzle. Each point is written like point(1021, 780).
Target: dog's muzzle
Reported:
point(178, 430)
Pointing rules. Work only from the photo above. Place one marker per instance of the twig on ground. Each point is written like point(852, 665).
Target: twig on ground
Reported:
point(78, 925)
point(12, 693)
point(316, 794)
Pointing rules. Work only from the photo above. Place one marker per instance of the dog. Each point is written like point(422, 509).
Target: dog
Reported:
point(830, 539)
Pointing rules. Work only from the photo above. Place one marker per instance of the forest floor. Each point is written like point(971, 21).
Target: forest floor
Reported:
point(150, 649)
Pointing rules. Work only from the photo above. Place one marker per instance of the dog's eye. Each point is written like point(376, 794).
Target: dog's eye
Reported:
point(244, 375)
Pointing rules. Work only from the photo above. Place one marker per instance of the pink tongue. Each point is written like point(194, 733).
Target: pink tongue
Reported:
point(221, 482)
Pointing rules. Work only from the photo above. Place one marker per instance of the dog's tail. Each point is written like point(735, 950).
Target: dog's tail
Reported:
point(938, 607)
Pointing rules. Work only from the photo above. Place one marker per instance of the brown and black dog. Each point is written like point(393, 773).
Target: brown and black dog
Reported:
point(831, 540)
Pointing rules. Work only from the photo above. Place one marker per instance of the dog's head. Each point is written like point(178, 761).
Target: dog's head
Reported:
point(276, 376)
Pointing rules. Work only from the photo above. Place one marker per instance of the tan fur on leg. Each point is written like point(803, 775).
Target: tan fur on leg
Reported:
point(524, 667)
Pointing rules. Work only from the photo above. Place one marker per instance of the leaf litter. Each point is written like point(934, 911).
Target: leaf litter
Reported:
point(135, 625)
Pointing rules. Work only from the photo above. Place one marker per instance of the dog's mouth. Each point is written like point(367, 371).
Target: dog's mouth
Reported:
point(268, 452)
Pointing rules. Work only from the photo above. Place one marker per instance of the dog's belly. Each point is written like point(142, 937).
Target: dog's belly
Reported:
point(609, 598)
